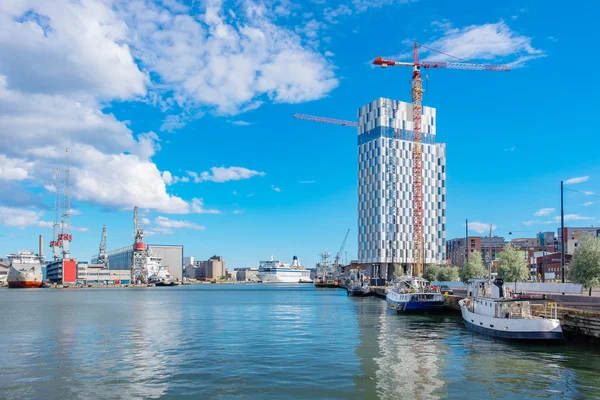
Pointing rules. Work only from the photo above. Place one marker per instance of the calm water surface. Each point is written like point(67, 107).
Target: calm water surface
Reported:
point(264, 342)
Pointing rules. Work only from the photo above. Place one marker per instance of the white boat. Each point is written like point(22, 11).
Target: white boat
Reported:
point(490, 309)
point(274, 271)
point(358, 288)
point(414, 294)
point(157, 273)
point(25, 270)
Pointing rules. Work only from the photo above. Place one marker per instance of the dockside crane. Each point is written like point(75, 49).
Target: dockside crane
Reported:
point(338, 255)
point(102, 256)
point(417, 150)
point(139, 270)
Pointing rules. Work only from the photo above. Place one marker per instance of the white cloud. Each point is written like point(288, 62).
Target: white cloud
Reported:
point(529, 223)
point(329, 54)
point(573, 217)
point(240, 123)
point(480, 227)
point(158, 231)
point(145, 221)
point(225, 63)
point(165, 222)
point(198, 208)
point(587, 204)
point(224, 174)
point(276, 188)
point(22, 217)
point(544, 211)
point(578, 179)
point(173, 122)
point(587, 193)
point(513, 148)
point(68, 48)
point(238, 211)
point(306, 182)
point(489, 43)
point(14, 169)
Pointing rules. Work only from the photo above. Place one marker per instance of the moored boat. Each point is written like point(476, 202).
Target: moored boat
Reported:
point(358, 289)
point(275, 271)
point(490, 309)
point(25, 270)
point(414, 294)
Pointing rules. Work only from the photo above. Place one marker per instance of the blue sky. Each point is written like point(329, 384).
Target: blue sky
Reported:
point(185, 110)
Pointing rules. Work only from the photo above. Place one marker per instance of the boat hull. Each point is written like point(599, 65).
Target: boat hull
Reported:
point(24, 277)
point(285, 277)
point(505, 328)
point(415, 302)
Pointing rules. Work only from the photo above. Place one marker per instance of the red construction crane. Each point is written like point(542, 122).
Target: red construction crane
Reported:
point(417, 153)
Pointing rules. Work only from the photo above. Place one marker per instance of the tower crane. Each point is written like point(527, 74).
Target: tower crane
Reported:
point(417, 152)
point(55, 244)
point(65, 237)
point(417, 149)
point(338, 255)
point(139, 270)
point(102, 256)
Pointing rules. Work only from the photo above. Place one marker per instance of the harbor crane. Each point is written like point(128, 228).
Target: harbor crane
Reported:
point(417, 150)
point(55, 244)
point(338, 255)
point(139, 270)
point(102, 256)
point(65, 236)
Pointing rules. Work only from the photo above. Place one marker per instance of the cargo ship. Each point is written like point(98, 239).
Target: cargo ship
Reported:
point(25, 270)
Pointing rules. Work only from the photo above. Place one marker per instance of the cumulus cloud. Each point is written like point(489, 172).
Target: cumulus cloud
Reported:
point(276, 188)
point(480, 227)
point(224, 174)
point(578, 179)
point(22, 217)
point(165, 222)
point(494, 42)
point(225, 62)
point(543, 211)
point(197, 207)
point(14, 169)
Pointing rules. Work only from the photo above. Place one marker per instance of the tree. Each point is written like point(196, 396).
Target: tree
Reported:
point(585, 263)
point(473, 267)
point(447, 274)
point(431, 272)
point(512, 266)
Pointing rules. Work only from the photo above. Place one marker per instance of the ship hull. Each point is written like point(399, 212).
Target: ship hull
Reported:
point(284, 277)
point(415, 302)
point(25, 278)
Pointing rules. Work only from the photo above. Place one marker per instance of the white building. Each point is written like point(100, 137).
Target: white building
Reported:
point(385, 218)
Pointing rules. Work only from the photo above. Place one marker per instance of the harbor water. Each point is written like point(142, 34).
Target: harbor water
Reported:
point(264, 341)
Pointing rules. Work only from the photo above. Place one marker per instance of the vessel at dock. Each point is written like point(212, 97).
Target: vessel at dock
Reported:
point(414, 294)
point(157, 273)
point(358, 289)
point(25, 270)
point(490, 309)
point(325, 276)
point(275, 271)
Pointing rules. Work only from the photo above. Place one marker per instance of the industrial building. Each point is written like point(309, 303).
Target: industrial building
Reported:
point(172, 259)
point(62, 271)
point(385, 187)
point(213, 268)
point(246, 274)
point(572, 236)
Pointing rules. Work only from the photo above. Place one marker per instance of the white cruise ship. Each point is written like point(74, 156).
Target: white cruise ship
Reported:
point(25, 270)
point(274, 271)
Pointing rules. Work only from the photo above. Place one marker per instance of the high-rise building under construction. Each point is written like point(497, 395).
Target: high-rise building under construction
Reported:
point(385, 188)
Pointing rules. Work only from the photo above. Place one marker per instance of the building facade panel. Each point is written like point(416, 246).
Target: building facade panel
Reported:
point(385, 218)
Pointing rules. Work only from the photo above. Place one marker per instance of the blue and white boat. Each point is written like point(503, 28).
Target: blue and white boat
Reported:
point(414, 294)
point(490, 309)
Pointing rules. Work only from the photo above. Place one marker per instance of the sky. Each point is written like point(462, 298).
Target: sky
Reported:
point(185, 109)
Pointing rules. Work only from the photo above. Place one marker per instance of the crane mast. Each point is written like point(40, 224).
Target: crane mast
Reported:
point(55, 244)
point(139, 270)
point(102, 256)
point(65, 236)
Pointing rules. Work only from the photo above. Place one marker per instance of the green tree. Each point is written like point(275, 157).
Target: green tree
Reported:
point(431, 272)
point(512, 266)
point(473, 267)
point(447, 274)
point(585, 264)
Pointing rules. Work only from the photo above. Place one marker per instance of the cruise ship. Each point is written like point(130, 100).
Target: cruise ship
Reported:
point(25, 270)
point(274, 271)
